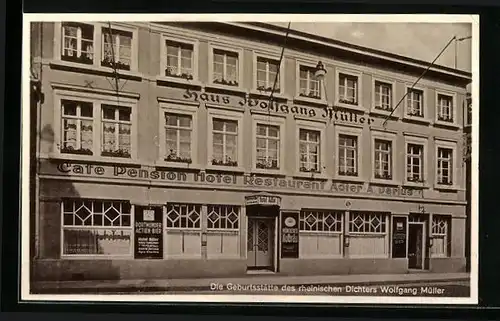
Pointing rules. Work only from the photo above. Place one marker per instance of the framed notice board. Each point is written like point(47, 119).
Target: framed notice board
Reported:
point(148, 232)
point(290, 235)
point(399, 237)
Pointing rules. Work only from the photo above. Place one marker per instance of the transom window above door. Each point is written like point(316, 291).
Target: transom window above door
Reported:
point(225, 67)
point(180, 60)
point(309, 85)
point(268, 77)
point(116, 48)
point(78, 42)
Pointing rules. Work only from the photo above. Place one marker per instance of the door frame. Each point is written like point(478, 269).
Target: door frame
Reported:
point(424, 244)
point(275, 236)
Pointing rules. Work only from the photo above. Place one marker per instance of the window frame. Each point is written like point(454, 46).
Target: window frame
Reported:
point(417, 140)
point(311, 126)
point(178, 230)
point(447, 236)
point(280, 83)
point(392, 138)
point(359, 83)
point(425, 108)
point(322, 99)
point(213, 112)
point(350, 131)
point(454, 113)
point(163, 56)
point(211, 48)
point(387, 230)
point(375, 110)
point(182, 109)
point(272, 120)
point(130, 228)
point(447, 144)
point(97, 100)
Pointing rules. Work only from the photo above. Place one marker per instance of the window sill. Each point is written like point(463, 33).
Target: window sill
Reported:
point(316, 101)
point(343, 178)
point(380, 181)
point(235, 89)
point(311, 175)
point(451, 188)
point(179, 81)
point(267, 94)
point(90, 158)
point(380, 112)
point(416, 185)
point(356, 107)
point(96, 69)
point(416, 119)
point(96, 256)
point(262, 171)
point(440, 123)
point(178, 165)
point(222, 168)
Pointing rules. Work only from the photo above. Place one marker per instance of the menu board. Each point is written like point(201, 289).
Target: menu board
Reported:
point(148, 233)
point(399, 237)
point(290, 235)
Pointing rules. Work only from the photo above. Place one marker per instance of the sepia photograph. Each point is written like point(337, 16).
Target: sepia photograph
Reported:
point(250, 158)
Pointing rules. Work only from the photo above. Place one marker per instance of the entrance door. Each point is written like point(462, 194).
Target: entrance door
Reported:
point(416, 246)
point(260, 243)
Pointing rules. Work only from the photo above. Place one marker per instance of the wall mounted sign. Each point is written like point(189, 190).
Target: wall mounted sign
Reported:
point(148, 234)
point(399, 237)
point(262, 200)
point(289, 235)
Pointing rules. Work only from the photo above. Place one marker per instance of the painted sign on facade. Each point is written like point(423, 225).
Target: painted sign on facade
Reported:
point(148, 233)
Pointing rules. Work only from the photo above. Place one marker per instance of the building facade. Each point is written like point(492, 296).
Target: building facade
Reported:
point(161, 154)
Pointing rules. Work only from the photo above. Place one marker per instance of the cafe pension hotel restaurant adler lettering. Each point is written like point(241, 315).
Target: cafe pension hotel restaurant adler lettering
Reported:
point(161, 155)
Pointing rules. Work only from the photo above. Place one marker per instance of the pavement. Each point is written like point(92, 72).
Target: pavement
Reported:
point(208, 284)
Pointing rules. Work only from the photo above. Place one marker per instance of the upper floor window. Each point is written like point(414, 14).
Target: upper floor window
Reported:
point(225, 142)
point(309, 86)
point(225, 67)
point(348, 89)
point(348, 155)
point(77, 127)
point(268, 142)
point(78, 42)
point(383, 96)
point(116, 48)
point(267, 74)
point(179, 60)
point(445, 108)
point(383, 159)
point(309, 147)
point(445, 166)
point(415, 102)
point(178, 130)
point(414, 163)
point(116, 131)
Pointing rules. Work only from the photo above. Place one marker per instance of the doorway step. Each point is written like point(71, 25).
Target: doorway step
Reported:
point(260, 271)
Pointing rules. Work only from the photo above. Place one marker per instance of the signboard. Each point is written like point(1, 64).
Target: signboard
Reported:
point(289, 235)
point(148, 233)
point(399, 237)
point(262, 200)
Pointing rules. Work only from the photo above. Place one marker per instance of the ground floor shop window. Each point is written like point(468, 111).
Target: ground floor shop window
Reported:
point(96, 227)
point(368, 234)
point(183, 235)
point(440, 235)
point(223, 230)
point(320, 233)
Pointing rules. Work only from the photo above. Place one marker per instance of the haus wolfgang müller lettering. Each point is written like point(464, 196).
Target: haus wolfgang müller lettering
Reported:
point(275, 107)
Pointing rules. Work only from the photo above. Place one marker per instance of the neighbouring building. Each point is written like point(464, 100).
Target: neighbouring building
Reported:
point(160, 154)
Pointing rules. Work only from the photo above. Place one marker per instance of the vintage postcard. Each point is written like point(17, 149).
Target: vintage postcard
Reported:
point(250, 158)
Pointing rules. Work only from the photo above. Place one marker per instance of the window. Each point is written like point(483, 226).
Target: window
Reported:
point(383, 96)
point(78, 42)
point(309, 147)
point(445, 108)
point(178, 129)
point(268, 74)
point(225, 142)
point(348, 155)
point(367, 223)
point(383, 159)
point(77, 127)
point(348, 89)
point(96, 227)
point(414, 102)
point(116, 48)
point(180, 60)
point(225, 67)
point(116, 131)
point(445, 166)
point(183, 216)
point(268, 142)
point(440, 235)
point(225, 217)
point(309, 86)
point(321, 221)
point(414, 163)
